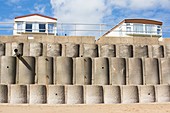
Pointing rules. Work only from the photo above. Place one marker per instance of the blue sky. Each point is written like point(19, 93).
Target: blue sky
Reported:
point(89, 11)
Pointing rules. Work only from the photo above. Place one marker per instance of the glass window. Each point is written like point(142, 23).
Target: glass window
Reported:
point(128, 29)
point(19, 26)
point(138, 28)
point(149, 28)
point(50, 28)
point(158, 31)
point(41, 27)
point(28, 27)
point(127, 24)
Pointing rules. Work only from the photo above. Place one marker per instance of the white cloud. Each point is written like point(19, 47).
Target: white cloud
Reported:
point(38, 8)
point(108, 11)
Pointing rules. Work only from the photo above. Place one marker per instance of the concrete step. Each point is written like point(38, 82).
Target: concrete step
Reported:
point(83, 94)
point(85, 50)
point(84, 70)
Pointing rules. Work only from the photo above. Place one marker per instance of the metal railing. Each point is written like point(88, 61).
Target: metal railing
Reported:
point(81, 29)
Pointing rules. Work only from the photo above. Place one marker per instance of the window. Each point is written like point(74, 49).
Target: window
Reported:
point(138, 28)
point(28, 27)
point(158, 31)
point(149, 28)
point(127, 24)
point(41, 27)
point(128, 29)
point(50, 28)
point(19, 27)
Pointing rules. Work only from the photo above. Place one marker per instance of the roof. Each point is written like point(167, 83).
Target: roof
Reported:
point(141, 21)
point(35, 15)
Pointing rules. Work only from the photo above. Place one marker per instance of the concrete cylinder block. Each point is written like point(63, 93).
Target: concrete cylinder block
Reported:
point(26, 70)
point(118, 71)
point(135, 71)
point(130, 94)
point(111, 94)
point(90, 50)
point(107, 51)
point(54, 49)
point(94, 94)
point(141, 51)
point(38, 94)
point(56, 94)
point(45, 70)
point(2, 49)
point(157, 51)
point(64, 70)
point(101, 71)
point(165, 70)
point(3, 93)
point(8, 70)
point(151, 71)
point(167, 50)
point(36, 49)
point(72, 50)
point(147, 94)
point(18, 94)
point(74, 94)
point(163, 93)
point(125, 51)
point(83, 71)
point(18, 47)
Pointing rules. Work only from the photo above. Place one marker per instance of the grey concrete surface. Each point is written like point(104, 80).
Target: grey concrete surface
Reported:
point(64, 70)
point(36, 49)
point(141, 51)
point(152, 71)
point(157, 51)
point(125, 51)
point(26, 73)
point(45, 70)
point(167, 48)
point(3, 93)
point(93, 94)
point(107, 51)
point(147, 94)
point(54, 49)
point(18, 94)
point(8, 70)
point(56, 94)
point(130, 94)
point(38, 94)
point(74, 94)
point(118, 71)
point(71, 50)
point(83, 70)
point(90, 50)
point(165, 70)
point(112, 94)
point(2, 49)
point(101, 71)
point(163, 93)
point(18, 46)
point(135, 66)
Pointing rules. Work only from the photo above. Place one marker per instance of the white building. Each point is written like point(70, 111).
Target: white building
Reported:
point(136, 27)
point(35, 24)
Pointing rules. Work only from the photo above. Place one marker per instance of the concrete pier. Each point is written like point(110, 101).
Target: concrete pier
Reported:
point(107, 51)
point(141, 51)
point(83, 71)
point(165, 70)
point(8, 70)
point(90, 50)
point(101, 71)
point(56, 94)
point(72, 50)
point(118, 71)
point(112, 94)
point(157, 51)
point(125, 51)
point(54, 49)
point(163, 93)
point(64, 70)
point(45, 70)
point(3, 94)
point(26, 70)
point(36, 49)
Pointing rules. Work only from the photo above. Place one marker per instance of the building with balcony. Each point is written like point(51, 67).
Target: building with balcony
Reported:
point(136, 27)
point(35, 24)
